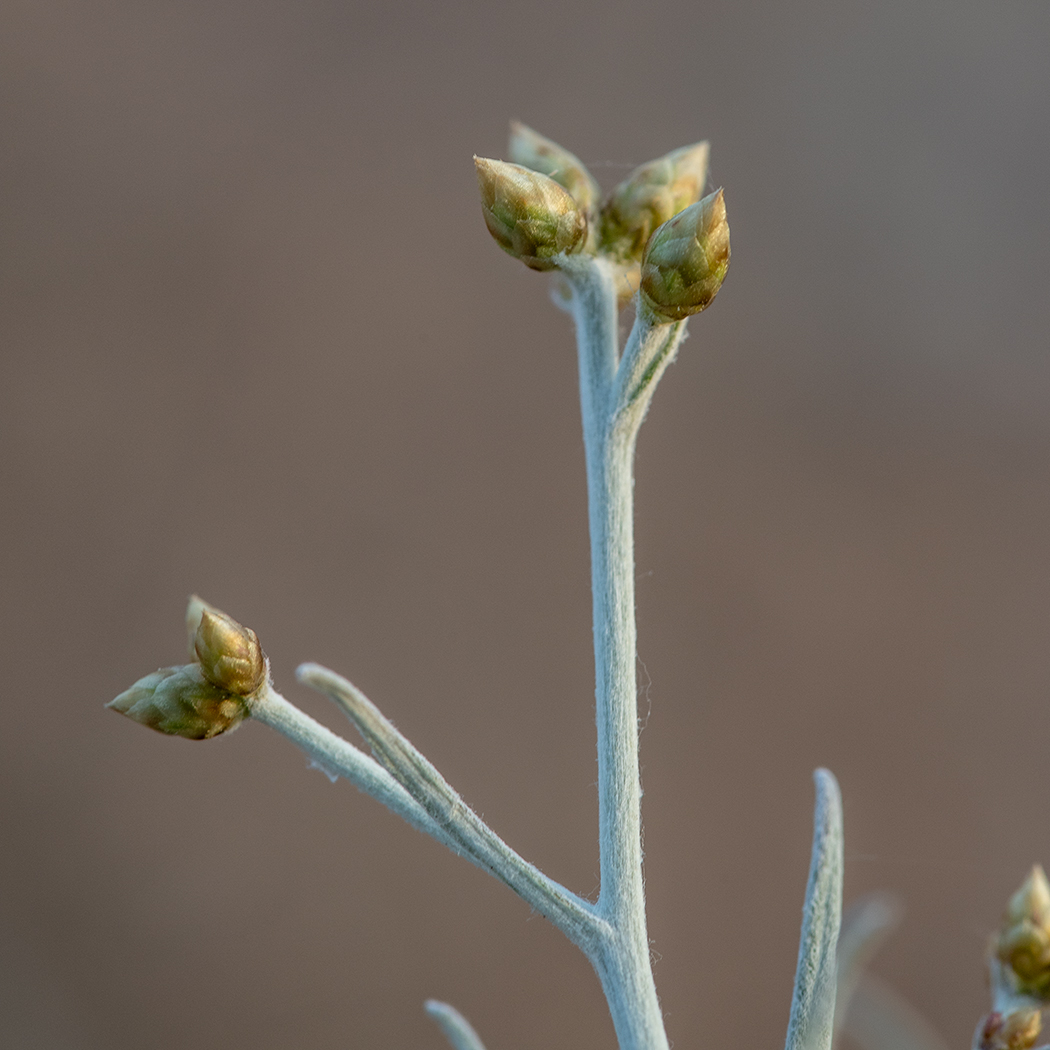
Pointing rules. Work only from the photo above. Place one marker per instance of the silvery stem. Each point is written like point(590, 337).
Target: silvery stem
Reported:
point(426, 801)
point(610, 427)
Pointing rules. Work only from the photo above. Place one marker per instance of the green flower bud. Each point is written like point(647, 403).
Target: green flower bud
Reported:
point(1032, 900)
point(531, 150)
point(686, 261)
point(230, 655)
point(181, 702)
point(1014, 1031)
point(528, 214)
point(652, 194)
point(1024, 937)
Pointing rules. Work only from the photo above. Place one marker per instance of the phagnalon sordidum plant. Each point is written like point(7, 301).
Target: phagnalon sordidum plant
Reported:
point(658, 241)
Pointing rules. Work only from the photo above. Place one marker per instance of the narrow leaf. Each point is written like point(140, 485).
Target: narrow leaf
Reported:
point(457, 1028)
point(813, 1003)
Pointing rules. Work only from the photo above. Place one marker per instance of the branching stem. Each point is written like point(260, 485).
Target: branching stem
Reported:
point(614, 396)
point(428, 802)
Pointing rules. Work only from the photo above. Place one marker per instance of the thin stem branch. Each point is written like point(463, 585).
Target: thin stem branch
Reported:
point(468, 834)
point(338, 757)
point(650, 349)
point(614, 397)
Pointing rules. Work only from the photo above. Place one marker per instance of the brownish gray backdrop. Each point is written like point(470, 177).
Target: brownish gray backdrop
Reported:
point(258, 344)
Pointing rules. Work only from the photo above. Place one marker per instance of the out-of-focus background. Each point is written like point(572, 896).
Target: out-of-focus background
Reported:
point(257, 343)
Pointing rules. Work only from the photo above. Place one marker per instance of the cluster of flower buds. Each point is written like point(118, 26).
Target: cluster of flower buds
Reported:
point(1019, 960)
point(209, 696)
point(654, 228)
point(1018, 1030)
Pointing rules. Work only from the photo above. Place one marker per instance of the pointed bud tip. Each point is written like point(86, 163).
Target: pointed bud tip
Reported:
point(1032, 900)
point(195, 609)
point(230, 655)
point(1023, 942)
point(534, 151)
point(650, 196)
point(529, 215)
point(686, 260)
point(178, 701)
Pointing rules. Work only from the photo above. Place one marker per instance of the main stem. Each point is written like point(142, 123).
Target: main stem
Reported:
point(622, 961)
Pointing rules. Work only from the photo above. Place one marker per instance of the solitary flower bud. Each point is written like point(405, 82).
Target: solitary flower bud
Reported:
point(230, 655)
point(531, 150)
point(528, 214)
point(181, 702)
point(686, 260)
point(651, 195)
point(1024, 938)
point(1032, 900)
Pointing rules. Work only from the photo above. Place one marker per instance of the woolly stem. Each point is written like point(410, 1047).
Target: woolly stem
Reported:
point(613, 405)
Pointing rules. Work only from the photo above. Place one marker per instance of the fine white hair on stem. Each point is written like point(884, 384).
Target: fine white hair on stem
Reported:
point(650, 348)
point(458, 1030)
point(813, 1001)
point(457, 824)
point(337, 756)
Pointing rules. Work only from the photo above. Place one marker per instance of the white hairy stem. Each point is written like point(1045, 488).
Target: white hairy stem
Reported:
point(448, 820)
point(614, 396)
point(338, 757)
point(460, 827)
point(612, 933)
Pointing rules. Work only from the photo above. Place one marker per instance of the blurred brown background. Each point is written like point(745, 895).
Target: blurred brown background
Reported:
point(258, 344)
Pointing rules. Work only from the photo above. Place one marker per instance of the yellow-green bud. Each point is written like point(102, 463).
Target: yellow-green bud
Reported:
point(1032, 900)
point(686, 260)
point(531, 150)
point(528, 214)
point(1014, 1031)
point(651, 195)
point(230, 655)
point(1024, 937)
point(181, 702)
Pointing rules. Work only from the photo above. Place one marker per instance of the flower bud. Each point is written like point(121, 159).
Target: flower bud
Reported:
point(651, 195)
point(1014, 1031)
point(181, 702)
point(686, 260)
point(528, 214)
point(531, 150)
point(1024, 937)
point(1032, 900)
point(230, 655)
